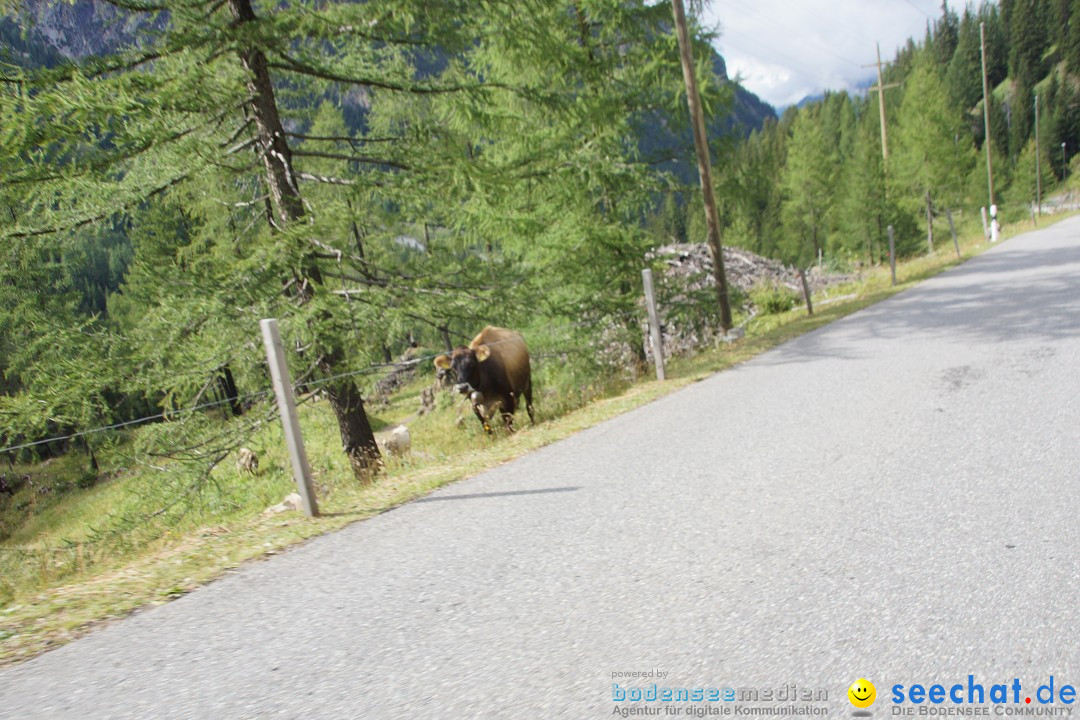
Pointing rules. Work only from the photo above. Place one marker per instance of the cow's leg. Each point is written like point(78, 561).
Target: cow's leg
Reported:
point(483, 420)
point(478, 407)
point(528, 403)
point(508, 405)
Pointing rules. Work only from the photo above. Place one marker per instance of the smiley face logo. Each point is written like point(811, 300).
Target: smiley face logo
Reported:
point(862, 693)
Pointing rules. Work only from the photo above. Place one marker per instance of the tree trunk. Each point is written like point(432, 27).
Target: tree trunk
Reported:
point(227, 385)
point(276, 154)
point(445, 332)
point(701, 145)
point(357, 237)
point(90, 451)
point(633, 329)
point(357, 438)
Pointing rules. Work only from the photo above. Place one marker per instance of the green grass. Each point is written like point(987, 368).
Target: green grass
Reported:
point(59, 578)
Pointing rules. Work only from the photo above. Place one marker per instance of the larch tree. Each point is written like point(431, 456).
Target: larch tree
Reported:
point(485, 141)
point(808, 184)
point(932, 152)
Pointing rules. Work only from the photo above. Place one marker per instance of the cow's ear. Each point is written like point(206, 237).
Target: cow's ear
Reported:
point(442, 361)
point(483, 352)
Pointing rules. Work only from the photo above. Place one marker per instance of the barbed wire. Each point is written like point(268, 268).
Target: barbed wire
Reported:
point(163, 415)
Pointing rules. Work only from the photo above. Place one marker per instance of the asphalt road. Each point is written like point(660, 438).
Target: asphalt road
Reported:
point(895, 496)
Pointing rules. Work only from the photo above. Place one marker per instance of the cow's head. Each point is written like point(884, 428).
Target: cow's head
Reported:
point(464, 366)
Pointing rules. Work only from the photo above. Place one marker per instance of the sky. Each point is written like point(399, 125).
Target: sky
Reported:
point(785, 50)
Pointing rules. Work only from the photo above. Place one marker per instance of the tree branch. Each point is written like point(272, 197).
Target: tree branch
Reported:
point(97, 218)
point(351, 158)
point(292, 65)
point(329, 180)
point(350, 140)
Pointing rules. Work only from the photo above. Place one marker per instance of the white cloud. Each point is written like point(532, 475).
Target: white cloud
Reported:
point(786, 50)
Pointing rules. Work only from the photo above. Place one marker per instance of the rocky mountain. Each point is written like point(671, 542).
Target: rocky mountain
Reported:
point(43, 32)
point(662, 136)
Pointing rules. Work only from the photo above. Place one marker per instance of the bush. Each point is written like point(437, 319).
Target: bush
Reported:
point(773, 299)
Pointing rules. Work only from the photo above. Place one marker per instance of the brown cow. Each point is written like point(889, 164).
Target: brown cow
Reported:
point(494, 372)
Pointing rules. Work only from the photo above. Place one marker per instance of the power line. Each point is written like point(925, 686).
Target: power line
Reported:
point(919, 9)
point(794, 32)
point(795, 63)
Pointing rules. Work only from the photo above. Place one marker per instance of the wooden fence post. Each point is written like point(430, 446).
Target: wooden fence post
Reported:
point(806, 292)
point(654, 324)
point(286, 401)
point(952, 229)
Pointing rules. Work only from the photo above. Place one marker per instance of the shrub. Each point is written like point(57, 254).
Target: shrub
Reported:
point(773, 299)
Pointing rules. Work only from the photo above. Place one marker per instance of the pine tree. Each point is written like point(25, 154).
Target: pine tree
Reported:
point(1056, 22)
point(1027, 42)
point(1024, 181)
point(807, 183)
point(861, 211)
point(997, 41)
point(757, 206)
point(1063, 125)
point(1072, 38)
point(1021, 114)
point(946, 35)
point(964, 75)
point(932, 153)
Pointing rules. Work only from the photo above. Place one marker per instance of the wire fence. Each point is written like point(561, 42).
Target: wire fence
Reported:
point(299, 388)
point(68, 554)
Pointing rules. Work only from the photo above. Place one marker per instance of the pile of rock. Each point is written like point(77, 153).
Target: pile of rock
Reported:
point(689, 315)
point(689, 265)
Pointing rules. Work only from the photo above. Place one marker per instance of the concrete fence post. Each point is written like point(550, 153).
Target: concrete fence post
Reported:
point(286, 401)
point(654, 324)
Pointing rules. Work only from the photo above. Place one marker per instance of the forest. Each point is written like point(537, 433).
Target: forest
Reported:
point(816, 180)
point(388, 177)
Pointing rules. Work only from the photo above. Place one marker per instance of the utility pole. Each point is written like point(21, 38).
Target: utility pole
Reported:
point(986, 114)
point(701, 144)
point(1038, 172)
point(880, 89)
